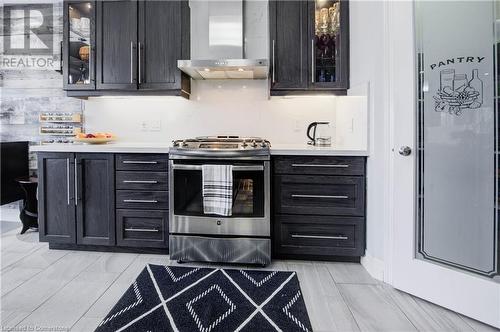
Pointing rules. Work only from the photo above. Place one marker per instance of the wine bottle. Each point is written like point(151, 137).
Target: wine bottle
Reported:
point(477, 85)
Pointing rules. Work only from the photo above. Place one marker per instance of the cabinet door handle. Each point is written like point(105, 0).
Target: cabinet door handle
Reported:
point(76, 183)
point(320, 196)
point(131, 62)
point(140, 201)
point(139, 162)
point(142, 230)
point(67, 179)
point(321, 165)
point(273, 63)
point(338, 237)
point(313, 62)
point(139, 54)
point(140, 181)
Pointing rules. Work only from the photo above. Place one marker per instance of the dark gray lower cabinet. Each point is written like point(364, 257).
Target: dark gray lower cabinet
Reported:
point(56, 207)
point(319, 207)
point(95, 206)
point(139, 228)
point(84, 203)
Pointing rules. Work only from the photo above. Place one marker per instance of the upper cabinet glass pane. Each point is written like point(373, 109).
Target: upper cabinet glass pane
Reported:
point(326, 40)
point(80, 16)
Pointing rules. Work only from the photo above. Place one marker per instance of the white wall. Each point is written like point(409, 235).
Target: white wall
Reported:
point(228, 107)
point(367, 38)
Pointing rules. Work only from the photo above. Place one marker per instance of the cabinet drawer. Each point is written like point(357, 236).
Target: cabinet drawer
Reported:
point(141, 228)
point(319, 165)
point(142, 162)
point(305, 236)
point(319, 195)
point(142, 180)
point(131, 199)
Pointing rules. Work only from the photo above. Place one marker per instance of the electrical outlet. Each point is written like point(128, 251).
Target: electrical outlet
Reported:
point(150, 125)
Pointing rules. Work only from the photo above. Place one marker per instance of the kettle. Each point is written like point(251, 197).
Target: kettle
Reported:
point(321, 135)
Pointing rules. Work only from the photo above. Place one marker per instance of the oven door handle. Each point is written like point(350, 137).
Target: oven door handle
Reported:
point(236, 168)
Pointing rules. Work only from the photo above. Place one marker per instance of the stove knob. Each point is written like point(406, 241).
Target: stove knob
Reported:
point(263, 144)
point(244, 144)
point(176, 144)
point(254, 144)
point(184, 144)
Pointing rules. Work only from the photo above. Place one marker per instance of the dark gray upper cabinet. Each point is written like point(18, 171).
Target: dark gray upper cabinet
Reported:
point(133, 45)
point(309, 46)
point(78, 48)
point(95, 205)
point(163, 39)
point(56, 205)
point(288, 44)
point(117, 45)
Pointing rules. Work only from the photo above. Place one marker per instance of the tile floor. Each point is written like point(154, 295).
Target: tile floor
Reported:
point(74, 290)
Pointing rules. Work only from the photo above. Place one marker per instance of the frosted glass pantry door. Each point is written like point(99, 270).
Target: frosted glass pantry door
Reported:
point(457, 133)
point(443, 229)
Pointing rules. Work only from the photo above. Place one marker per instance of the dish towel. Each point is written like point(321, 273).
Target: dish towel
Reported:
point(217, 189)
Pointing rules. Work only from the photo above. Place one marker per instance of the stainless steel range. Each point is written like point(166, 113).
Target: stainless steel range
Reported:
point(244, 235)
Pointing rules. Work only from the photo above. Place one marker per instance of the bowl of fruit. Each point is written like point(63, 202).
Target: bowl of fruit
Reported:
point(95, 138)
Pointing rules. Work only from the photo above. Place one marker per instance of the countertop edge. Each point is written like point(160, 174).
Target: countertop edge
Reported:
point(279, 151)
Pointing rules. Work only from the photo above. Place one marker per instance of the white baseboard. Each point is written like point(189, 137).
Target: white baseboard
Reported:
point(373, 265)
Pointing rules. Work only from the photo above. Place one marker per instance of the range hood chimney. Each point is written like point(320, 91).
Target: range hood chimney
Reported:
point(217, 43)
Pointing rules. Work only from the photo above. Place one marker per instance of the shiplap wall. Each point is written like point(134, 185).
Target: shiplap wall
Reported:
point(27, 92)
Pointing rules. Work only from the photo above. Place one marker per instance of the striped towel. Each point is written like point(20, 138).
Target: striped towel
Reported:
point(217, 189)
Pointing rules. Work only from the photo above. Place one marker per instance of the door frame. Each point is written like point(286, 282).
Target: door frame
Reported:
point(463, 292)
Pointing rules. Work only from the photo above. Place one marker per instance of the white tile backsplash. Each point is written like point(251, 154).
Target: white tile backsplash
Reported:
point(228, 107)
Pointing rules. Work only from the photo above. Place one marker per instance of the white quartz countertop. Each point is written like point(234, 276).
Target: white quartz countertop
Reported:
point(276, 149)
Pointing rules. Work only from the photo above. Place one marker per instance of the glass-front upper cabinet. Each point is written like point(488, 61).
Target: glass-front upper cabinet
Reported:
point(329, 43)
point(78, 47)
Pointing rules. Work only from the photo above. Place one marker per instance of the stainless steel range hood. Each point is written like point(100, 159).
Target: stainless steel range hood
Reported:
point(217, 43)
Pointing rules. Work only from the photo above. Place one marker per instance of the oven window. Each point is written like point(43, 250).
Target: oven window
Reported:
point(248, 193)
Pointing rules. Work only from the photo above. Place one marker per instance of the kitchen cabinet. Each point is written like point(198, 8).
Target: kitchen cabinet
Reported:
point(309, 46)
point(56, 206)
point(319, 207)
point(78, 48)
point(76, 198)
point(117, 45)
point(134, 47)
point(94, 199)
point(103, 201)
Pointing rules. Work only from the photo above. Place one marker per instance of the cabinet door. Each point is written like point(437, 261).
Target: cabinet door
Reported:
point(79, 45)
point(289, 44)
point(117, 45)
point(95, 203)
point(161, 37)
point(142, 228)
point(56, 207)
point(329, 42)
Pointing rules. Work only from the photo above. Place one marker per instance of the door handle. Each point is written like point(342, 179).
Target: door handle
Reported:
point(139, 46)
point(76, 183)
point(67, 179)
point(131, 62)
point(312, 61)
point(320, 196)
point(339, 237)
point(273, 73)
point(405, 151)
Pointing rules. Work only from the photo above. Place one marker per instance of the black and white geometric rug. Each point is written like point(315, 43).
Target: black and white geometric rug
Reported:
point(173, 298)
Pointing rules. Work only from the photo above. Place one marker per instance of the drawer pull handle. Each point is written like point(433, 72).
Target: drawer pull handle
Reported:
point(140, 181)
point(338, 237)
point(320, 196)
point(139, 162)
point(321, 165)
point(141, 230)
point(140, 201)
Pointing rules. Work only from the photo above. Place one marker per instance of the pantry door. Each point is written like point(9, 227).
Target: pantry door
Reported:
point(444, 164)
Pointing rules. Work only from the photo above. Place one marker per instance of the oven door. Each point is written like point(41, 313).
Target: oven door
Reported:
point(251, 207)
